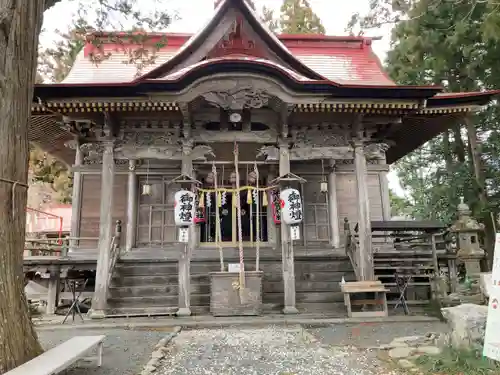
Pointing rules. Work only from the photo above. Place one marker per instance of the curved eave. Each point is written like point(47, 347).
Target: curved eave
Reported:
point(45, 132)
point(479, 98)
point(325, 87)
point(441, 112)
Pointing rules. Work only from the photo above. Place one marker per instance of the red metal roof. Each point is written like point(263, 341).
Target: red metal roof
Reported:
point(347, 61)
point(340, 59)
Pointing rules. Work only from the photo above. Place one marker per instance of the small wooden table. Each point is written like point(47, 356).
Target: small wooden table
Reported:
point(380, 299)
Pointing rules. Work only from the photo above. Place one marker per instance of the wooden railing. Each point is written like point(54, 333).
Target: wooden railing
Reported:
point(352, 248)
point(45, 247)
point(55, 247)
point(400, 242)
point(114, 249)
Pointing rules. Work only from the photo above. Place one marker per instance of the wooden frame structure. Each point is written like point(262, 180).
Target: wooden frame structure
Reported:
point(338, 126)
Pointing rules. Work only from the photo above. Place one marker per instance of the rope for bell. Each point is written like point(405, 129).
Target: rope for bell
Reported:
point(238, 209)
point(218, 233)
point(257, 224)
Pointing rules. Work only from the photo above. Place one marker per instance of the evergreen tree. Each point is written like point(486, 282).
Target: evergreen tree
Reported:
point(54, 64)
point(20, 25)
point(268, 19)
point(297, 17)
point(453, 44)
point(53, 174)
point(267, 16)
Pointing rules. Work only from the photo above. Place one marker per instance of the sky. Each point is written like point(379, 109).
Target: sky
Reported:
point(194, 14)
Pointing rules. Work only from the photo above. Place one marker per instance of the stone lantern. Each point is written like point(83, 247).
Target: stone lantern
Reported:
point(466, 231)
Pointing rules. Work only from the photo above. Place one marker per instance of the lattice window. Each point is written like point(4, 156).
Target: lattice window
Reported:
point(155, 221)
point(316, 224)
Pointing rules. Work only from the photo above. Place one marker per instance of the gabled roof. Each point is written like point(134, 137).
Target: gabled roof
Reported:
point(241, 13)
point(345, 60)
point(339, 60)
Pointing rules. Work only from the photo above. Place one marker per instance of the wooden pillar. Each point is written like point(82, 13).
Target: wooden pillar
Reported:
point(186, 251)
point(99, 302)
point(333, 207)
point(384, 192)
point(76, 200)
point(52, 292)
point(364, 224)
point(271, 226)
point(132, 197)
point(286, 248)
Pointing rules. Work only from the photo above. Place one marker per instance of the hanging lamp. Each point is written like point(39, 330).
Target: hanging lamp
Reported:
point(146, 188)
point(323, 185)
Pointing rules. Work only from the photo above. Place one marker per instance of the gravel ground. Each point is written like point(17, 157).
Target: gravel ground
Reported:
point(266, 351)
point(369, 335)
point(125, 351)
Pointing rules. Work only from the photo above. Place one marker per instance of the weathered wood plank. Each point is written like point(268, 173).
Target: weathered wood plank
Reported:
point(365, 240)
point(61, 357)
point(99, 301)
point(76, 201)
point(132, 200)
point(286, 248)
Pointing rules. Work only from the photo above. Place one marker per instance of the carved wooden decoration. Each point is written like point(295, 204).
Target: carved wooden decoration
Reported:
point(92, 153)
point(199, 153)
point(376, 150)
point(271, 153)
point(317, 138)
point(238, 98)
point(139, 139)
point(306, 152)
point(205, 136)
point(236, 42)
point(139, 145)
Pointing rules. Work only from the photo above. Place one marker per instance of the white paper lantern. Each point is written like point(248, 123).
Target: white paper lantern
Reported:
point(146, 189)
point(291, 206)
point(184, 208)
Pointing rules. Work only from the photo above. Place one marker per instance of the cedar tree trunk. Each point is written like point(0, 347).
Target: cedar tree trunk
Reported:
point(20, 24)
point(477, 163)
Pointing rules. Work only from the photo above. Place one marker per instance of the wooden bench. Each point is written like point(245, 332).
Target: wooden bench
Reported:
point(57, 359)
point(355, 287)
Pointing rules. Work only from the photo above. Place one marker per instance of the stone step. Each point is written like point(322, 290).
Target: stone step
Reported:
point(326, 309)
point(156, 290)
point(121, 291)
point(155, 301)
point(160, 279)
point(151, 311)
point(275, 267)
point(204, 299)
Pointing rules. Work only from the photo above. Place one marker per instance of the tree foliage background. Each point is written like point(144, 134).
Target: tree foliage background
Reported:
point(20, 27)
point(451, 43)
point(295, 17)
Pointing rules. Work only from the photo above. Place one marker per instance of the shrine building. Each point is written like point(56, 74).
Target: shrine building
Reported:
point(235, 114)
